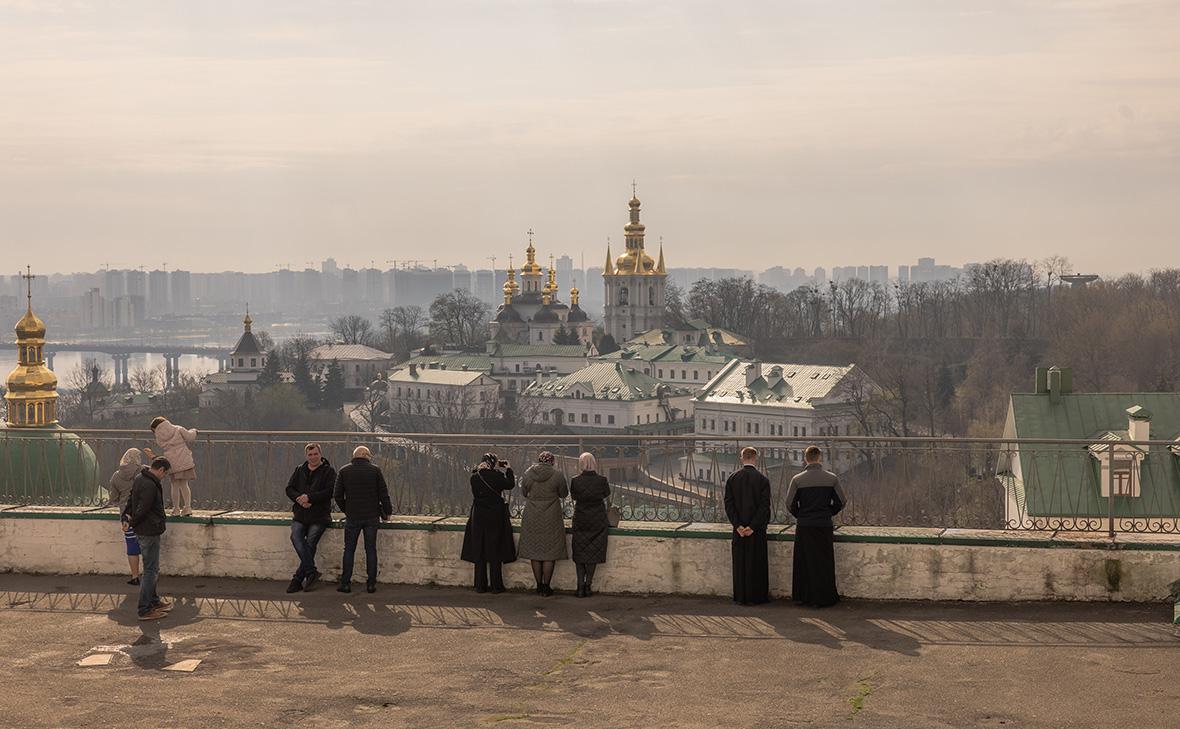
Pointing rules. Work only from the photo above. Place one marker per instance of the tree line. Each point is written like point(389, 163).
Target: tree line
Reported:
point(947, 354)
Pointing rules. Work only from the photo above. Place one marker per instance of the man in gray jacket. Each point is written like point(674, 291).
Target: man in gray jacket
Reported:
point(813, 499)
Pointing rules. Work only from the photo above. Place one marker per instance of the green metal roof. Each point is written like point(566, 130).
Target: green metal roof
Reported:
point(605, 381)
point(539, 350)
point(671, 353)
point(1064, 480)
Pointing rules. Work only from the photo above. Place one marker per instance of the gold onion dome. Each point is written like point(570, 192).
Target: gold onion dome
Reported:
point(30, 326)
point(31, 396)
point(635, 261)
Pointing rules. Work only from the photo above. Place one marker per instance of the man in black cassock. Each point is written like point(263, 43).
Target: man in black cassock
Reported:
point(814, 498)
point(747, 505)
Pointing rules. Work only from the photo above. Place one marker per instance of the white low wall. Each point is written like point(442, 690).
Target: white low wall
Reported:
point(655, 562)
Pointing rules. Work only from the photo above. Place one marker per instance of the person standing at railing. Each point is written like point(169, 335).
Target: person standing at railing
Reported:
point(310, 489)
point(590, 526)
point(119, 488)
point(542, 530)
point(747, 505)
point(144, 514)
point(363, 496)
point(176, 443)
point(487, 540)
point(814, 498)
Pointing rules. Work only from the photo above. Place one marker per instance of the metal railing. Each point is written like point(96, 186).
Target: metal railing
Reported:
point(973, 483)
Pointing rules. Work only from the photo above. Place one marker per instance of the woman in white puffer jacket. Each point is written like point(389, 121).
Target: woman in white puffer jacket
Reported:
point(175, 441)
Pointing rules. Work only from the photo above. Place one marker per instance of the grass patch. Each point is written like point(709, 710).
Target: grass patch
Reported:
point(864, 688)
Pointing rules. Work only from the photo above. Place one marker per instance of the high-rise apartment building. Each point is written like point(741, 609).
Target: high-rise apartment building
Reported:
point(158, 299)
point(181, 292)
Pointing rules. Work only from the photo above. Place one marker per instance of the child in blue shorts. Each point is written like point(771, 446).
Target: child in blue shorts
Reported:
point(119, 488)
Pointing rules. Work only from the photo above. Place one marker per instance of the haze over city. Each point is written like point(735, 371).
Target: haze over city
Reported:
point(252, 135)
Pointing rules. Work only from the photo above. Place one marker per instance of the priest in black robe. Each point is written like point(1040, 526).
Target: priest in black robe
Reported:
point(813, 499)
point(747, 505)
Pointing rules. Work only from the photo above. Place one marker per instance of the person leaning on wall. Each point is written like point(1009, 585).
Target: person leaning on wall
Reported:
point(487, 539)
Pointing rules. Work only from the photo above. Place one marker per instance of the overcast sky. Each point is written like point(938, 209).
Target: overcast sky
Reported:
point(239, 134)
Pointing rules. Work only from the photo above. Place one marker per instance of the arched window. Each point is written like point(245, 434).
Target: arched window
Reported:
point(651, 296)
point(623, 296)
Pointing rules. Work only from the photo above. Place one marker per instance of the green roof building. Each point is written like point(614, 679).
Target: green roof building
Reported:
point(1113, 470)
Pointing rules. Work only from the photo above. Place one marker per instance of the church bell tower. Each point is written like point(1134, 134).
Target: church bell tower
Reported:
point(635, 283)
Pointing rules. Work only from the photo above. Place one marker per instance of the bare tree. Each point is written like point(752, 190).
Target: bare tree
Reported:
point(401, 329)
point(353, 329)
point(145, 381)
point(86, 389)
point(459, 318)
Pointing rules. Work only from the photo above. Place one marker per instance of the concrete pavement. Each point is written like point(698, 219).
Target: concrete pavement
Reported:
point(413, 656)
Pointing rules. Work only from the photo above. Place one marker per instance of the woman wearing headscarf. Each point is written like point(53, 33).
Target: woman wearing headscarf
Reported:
point(119, 488)
point(487, 541)
point(588, 542)
point(542, 531)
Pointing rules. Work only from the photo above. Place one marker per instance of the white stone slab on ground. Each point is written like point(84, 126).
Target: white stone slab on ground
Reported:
point(97, 659)
point(186, 666)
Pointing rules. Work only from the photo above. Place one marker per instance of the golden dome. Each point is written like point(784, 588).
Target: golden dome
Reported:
point(31, 399)
point(627, 263)
point(30, 326)
point(28, 382)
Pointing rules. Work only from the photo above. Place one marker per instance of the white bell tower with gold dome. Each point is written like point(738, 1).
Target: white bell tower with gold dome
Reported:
point(635, 283)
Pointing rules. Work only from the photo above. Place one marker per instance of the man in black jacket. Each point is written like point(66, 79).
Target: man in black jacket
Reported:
point(310, 490)
point(813, 499)
point(362, 495)
point(144, 513)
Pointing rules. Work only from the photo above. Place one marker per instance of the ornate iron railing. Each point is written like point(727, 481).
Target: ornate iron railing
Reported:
point(1051, 485)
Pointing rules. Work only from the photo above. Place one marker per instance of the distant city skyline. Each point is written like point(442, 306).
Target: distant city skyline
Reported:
point(254, 135)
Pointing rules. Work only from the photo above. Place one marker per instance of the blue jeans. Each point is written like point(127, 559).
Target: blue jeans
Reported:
point(150, 549)
point(305, 538)
point(352, 530)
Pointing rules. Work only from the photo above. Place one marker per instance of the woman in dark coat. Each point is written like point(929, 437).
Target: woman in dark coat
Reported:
point(588, 543)
point(487, 541)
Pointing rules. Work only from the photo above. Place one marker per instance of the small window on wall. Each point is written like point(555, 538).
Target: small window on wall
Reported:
point(610, 420)
point(570, 417)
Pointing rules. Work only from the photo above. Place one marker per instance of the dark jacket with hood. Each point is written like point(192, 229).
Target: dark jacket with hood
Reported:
point(145, 507)
point(317, 485)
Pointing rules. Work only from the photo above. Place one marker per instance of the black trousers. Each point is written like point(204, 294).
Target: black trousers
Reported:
point(352, 530)
point(813, 578)
point(497, 575)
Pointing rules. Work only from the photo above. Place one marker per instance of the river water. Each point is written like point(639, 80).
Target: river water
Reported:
point(65, 362)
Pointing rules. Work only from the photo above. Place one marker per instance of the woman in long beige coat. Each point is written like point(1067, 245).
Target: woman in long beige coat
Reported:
point(175, 443)
point(542, 531)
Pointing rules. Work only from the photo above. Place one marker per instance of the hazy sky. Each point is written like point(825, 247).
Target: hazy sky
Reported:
point(242, 134)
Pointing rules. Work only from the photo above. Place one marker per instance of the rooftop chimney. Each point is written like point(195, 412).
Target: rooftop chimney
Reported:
point(775, 376)
point(413, 370)
point(753, 372)
point(1138, 423)
point(1060, 383)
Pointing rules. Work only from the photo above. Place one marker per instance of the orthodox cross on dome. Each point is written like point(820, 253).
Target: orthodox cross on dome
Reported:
point(28, 277)
point(634, 188)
